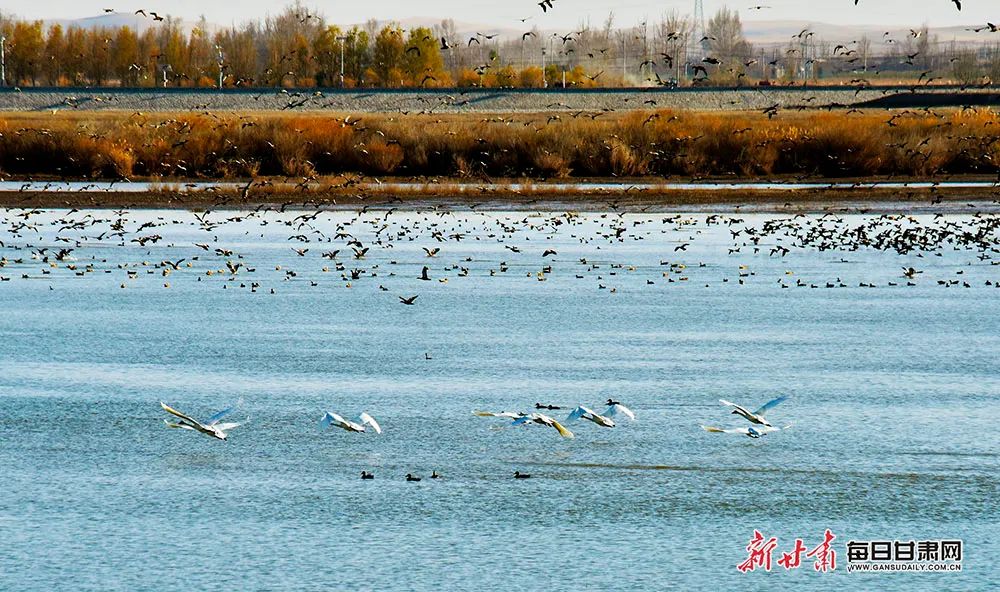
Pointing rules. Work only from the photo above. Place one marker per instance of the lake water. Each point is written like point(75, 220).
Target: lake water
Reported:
point(895, 391)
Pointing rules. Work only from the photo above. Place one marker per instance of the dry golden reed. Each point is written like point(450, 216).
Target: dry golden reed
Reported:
point(632, 144)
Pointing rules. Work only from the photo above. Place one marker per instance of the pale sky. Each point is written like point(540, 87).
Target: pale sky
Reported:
point(564, 14)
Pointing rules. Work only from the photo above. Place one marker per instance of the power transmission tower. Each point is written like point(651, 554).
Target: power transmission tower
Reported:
point(699, 26)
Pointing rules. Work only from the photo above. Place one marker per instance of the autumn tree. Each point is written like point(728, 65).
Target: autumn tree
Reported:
point(672, 37)
point(727, 44)
point(126, 59)
point(55, 49)
point(25, 52)
point(202, 58)
point(239, 52)
point(326, 51)
point(74, 62)
point(287, 41)
point(387, 56)
point(422, 59)
point(98, 67)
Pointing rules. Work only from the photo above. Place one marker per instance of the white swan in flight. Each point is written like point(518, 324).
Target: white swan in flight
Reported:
point(752, 431)
point(332, 419)
point(542, 419)
point(526, 418)
point(757, 416)
point(582, 412)
point(615, 408)
point(211, 426)
point(508, 414)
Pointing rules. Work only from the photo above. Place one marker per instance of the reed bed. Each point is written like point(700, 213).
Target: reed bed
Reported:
point(633, 144)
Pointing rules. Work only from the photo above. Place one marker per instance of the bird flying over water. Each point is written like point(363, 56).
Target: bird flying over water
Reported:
point(211, 427)
point(359, 425)
point(526, 418)
point(757, 416)
point(582, 412)
point(542, 419)
point(752, 432)
point(509, 414)
point(615, 408)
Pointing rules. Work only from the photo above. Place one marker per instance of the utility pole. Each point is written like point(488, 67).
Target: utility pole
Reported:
point(343, 41)
point(3, 61)
point(222, 63)
point(545, 83)
point(624, 55)
point(677, 60)
point(645, 46)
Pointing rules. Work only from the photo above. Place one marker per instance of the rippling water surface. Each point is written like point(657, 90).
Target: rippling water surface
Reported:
point(895, 391)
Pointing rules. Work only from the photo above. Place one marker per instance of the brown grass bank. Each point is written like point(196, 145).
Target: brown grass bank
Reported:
point(564, 144)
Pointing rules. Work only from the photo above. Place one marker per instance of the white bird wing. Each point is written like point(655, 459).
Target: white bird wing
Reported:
point(562, 430)
point(171, 424)
point(734, 405)
point(523, 419)
point(510, 414)
point(364, 418)
point(716, 430)
point(577, 413)
point(218, 416)
point(332, 418)
point(770, 404)
point(603, 420)
point(614, 410)
point(177, 413)
point(225, 427)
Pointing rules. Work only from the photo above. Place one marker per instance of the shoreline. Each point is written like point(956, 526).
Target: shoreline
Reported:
point(485, 100)
point(869, 195)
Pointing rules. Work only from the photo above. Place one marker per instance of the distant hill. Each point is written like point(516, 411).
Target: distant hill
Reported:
point(115, 20)
point(464, 29)
point(758, 32)
point(774, 32)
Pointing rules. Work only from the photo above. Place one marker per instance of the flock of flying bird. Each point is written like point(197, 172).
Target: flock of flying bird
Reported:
point(358, 250)
point(55, 244)
point(215, 427)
